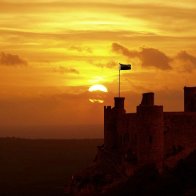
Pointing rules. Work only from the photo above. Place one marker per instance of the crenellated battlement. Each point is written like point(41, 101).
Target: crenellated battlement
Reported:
point(119, 102)
point(147, 99)
point(190, 99)
point(107, 108)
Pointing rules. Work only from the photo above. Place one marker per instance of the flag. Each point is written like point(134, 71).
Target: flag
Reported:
point(125, 66)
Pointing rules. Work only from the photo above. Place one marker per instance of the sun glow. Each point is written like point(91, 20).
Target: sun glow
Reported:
point(96, 100)
point(98, 87)
point(97, 93)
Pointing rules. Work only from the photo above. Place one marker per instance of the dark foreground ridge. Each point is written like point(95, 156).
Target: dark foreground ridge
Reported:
point(149, 152)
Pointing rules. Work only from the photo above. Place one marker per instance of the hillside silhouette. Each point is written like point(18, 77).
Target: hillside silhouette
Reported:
point(142, 149)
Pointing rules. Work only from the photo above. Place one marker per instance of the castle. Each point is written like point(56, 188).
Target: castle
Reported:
point(134, 142)
point(150, 136)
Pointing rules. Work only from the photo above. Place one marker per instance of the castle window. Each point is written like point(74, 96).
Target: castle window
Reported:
point(150, 139)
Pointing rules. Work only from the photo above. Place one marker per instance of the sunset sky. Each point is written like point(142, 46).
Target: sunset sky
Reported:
point(52, 51)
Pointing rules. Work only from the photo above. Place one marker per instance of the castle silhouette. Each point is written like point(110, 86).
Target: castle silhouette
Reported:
point(150, 136)
point(135, 142)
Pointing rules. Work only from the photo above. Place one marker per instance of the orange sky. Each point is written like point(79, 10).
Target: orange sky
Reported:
point(52, 51)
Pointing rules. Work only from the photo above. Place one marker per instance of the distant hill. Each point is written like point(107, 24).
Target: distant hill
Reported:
point(42, 167)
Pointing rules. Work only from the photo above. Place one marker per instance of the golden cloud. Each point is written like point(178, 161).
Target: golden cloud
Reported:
point(11, 60)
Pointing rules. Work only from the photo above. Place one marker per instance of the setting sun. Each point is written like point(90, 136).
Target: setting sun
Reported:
point(97, 92)
point(98, 87)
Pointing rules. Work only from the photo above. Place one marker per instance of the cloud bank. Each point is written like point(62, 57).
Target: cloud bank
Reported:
point(149, 57)
point(152, 57)
point(11, 60)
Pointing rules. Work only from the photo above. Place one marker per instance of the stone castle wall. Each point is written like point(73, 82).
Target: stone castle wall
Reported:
point(179, 131)
point(150, 135)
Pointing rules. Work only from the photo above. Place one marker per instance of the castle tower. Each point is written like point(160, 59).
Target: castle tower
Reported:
point(119, 103)
point(114, 124)
point(190, 99)
point(150, 136)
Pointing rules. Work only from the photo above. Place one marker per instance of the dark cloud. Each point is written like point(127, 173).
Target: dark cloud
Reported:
point(185, 61)
point(155, 58)
point(123, 50)
point(11, 60)
point(150, 57)
point(184, 56)
point(64, 70)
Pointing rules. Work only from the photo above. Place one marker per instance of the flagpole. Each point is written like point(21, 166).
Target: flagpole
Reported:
point(119, 82)
point(122, 67)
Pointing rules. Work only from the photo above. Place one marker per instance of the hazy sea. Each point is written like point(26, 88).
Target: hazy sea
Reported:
point(57, 132)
